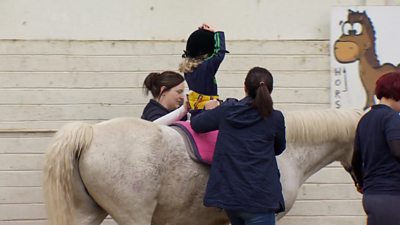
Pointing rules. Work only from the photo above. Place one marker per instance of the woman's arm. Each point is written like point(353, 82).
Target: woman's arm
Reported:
point(392, 133)
point(206, 121)
point(394, 146)
point(280, 138)
point(173, 116)
point(356, 164)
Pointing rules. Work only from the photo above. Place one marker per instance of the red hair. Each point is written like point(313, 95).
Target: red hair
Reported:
point(388, 86)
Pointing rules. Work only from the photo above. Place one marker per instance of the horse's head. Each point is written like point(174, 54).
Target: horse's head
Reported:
point(357, 37)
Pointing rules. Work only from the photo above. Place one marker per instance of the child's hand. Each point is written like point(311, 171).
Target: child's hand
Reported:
point(207, 27)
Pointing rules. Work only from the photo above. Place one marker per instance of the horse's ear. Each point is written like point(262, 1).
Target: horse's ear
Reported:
point(350, 11)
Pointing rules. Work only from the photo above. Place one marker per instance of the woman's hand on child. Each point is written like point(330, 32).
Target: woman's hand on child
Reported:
point(211, 104)
point(207, 27)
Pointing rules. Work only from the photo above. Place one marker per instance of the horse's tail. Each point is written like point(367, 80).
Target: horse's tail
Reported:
point(61, 163)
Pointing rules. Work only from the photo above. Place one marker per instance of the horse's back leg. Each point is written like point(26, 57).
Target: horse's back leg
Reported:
point(89, 219)
point(136, 206)
point(86, 210)
point(93, 215)
point(138, 216)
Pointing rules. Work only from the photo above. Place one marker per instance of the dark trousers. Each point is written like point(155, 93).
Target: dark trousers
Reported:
point(382, 209)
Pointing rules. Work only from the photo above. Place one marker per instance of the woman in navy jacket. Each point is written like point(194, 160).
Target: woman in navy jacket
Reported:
point(376, 159)
point(244, 178)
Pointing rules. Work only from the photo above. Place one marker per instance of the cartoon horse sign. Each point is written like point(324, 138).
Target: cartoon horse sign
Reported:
point(357, 43)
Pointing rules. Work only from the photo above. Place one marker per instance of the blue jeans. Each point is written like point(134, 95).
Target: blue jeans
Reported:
point(245, 218)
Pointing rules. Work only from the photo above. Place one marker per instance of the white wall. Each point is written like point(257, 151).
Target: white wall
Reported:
point(165, 19)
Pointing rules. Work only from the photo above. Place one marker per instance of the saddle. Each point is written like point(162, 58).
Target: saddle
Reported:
point(200, 146)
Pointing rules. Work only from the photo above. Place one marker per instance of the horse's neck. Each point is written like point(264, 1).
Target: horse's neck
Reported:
point(369, 60)
point(309, 159)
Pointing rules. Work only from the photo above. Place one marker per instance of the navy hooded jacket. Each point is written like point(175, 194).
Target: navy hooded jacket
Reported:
point(244, 173)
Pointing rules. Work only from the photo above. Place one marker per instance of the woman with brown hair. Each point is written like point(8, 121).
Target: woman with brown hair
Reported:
point(167, 89)
point(244, 177)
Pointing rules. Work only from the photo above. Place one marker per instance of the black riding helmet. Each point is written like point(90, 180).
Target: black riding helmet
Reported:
point(200, 42)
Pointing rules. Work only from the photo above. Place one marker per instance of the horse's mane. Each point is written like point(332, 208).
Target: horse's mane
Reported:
point(307, 127)
point(316, 127)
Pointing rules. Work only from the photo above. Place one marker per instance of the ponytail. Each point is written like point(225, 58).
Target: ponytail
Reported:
point(150, 84)
point(259, 84)
point(263, 101)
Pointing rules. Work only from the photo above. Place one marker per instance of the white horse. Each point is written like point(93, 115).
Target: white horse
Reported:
point(140, 172)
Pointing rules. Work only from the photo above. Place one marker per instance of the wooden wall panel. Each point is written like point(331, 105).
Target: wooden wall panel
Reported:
point(45, 84)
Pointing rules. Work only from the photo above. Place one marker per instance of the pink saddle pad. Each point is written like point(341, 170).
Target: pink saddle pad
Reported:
point(203, 144)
